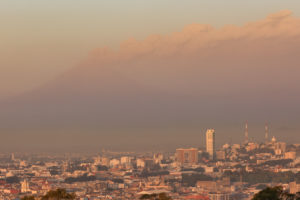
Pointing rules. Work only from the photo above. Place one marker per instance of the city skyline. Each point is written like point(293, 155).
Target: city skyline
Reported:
point(149, 99)
point(206, 138)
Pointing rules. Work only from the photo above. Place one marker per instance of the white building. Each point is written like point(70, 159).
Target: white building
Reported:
point(114, 162)
point(25, 186)
point(125, 160)
point(210, 143)
point(140, 163)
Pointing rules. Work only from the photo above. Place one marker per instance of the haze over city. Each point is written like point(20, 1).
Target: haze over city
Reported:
point(136, 75)
point(149, 100)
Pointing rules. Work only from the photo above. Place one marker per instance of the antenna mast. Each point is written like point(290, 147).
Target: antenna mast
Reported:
point(266, 132)
point(246, 133)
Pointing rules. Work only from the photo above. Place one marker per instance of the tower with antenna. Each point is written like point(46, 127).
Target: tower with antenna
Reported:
point(246, 133)
point(266, 133)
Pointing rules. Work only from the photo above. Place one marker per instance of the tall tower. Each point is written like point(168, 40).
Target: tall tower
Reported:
point(246, 133)
point(210, 143)
point(266, 132)
point(12, 157)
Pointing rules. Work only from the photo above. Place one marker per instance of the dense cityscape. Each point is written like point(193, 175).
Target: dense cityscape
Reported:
point(231, 172)
point(149, 100)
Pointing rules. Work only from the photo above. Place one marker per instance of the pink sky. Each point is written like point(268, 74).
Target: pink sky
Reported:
point(171, 86)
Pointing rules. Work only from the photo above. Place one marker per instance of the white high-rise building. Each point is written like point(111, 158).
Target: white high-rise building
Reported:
point(210, 143)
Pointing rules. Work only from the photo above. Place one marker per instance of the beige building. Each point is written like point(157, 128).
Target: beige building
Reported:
point(219, 196)
point(294, 187)
point(279, 148)
point(220, 155)
point(25, 186)
point(187, 156)
point(210, 143)
point(290, 155)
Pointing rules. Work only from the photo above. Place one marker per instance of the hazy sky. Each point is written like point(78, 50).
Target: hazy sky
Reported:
point(41, 39)
point(136, 73)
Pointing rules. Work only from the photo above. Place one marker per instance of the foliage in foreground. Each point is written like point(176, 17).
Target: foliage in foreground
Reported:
point(59, 194)
point(28, 198)
point(161, 196)
point(275, 193)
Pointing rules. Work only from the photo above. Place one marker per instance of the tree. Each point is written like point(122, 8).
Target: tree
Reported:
point(161, 196)
point(275, 193)
point(28, 198)
point(59, 194)
point(270, 193)
point(164, 196)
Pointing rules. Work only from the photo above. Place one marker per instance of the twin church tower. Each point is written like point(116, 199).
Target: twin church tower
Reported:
point(246, 141)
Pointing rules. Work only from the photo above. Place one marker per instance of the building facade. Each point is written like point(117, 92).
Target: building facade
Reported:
point(187, 156)
point(210, 143)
